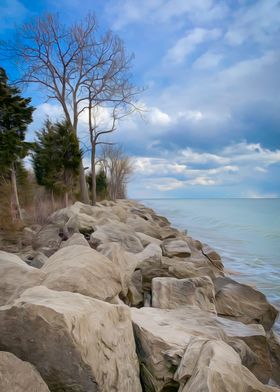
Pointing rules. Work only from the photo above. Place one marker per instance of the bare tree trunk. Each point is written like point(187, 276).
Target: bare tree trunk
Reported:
point(52, 196)
point(83, 184)
point(93, 176)
point(15, 207)
point(66, 199)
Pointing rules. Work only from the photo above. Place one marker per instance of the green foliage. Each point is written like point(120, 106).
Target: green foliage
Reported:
point(56, 157)
point(101, 184)
point(15, 115)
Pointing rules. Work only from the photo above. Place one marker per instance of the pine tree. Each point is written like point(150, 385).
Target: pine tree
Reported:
point(56, 158)
point(15, 115)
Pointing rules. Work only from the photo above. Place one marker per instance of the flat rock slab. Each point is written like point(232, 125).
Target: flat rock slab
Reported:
point(175, 247)
point(172, 293)
point(77, 343)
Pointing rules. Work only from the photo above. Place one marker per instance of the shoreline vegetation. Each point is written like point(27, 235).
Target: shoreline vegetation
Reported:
point(113, 298)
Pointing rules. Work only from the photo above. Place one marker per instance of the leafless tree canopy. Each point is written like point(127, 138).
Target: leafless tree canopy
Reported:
point(80, 68)
point(118, 168)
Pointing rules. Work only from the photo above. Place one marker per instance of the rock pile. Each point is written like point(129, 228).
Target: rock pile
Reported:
point(121, 301)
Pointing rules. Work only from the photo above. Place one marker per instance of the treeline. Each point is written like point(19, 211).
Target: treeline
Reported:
point(87, 73)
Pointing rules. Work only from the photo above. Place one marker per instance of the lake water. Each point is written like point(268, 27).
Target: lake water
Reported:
point(245, 232)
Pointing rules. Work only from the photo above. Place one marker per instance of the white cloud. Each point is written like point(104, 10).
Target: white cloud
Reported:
point(208, 60)
point(235, 164)
point(187, 44)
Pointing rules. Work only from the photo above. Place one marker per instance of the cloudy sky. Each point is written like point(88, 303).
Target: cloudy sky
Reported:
point(210, 69)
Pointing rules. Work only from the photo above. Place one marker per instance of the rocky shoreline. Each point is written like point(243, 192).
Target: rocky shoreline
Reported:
point(112, 298)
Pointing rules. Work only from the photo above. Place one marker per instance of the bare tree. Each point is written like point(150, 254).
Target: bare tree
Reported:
point(79, 68)
point(118, 168)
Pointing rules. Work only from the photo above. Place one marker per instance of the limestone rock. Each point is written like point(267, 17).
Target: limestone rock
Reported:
point(175, 247)
point(124, 262)
point(16, 276)
point(116, 232)
point(244, 303)
point(19, 376)
point(146, 239)
point(48, 239)
point(211, 365)
point(135, 296)
point(83, 270)
point(213, 256)
point(77, 343)
point(75, 239)
point(274, 348)
point(162, 336)
point(171, 293)
point(151, 252)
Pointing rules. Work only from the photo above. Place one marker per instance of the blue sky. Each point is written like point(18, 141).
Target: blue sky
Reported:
point(212, 91)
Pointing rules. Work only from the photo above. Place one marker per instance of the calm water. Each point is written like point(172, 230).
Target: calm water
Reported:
point(246, 233)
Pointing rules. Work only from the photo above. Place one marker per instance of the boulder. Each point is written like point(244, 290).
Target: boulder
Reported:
point(212, 365)
point(162, 336)
point(77, 343)
point(48, 239)
point(116, 232)
point(212, 255)
point(16, 276)
point(83, 270)
point(151, 252)
point(274, 348)
point(244, 303)
point(171, 293)
point(19, 376)
point(124, 262)
point(32, 257)
point(175, 247)
point(135, 296)
point(146, 239)
point(75, 239)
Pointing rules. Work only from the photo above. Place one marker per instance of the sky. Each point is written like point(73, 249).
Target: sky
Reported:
point(210, 73)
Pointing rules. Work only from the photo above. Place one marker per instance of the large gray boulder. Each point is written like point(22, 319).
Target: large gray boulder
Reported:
point(83, 270)
point(172, 293)
point(163, 335)
point(16, 276)
point(77, 343)
point(244, 303)
point(19, 376)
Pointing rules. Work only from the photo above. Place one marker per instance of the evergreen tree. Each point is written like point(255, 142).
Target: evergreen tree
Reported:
point(15, 115)
point(56, 158)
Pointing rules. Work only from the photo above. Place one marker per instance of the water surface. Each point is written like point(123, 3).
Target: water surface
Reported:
point(246, 233)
